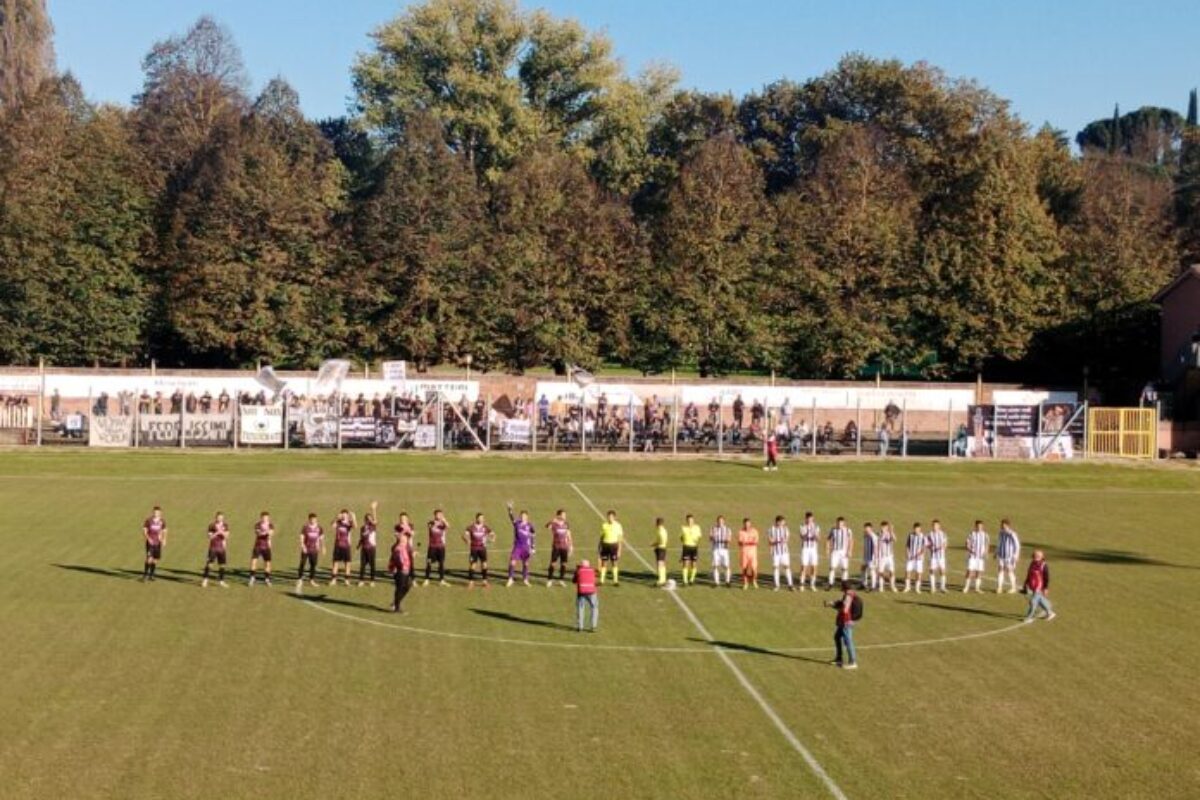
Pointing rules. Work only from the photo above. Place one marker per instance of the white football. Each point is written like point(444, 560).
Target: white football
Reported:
point(670, 583)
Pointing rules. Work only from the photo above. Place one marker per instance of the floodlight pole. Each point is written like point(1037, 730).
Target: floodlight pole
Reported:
point(42, 398)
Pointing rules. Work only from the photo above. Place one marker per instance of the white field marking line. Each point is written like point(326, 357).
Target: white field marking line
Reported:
point(838, 487)
point(633, 648)
point(526, 642)
point(772, 715)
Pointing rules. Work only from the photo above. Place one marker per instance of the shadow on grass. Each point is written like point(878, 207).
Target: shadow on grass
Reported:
point(983, 612)
point(123, 574)
point(741, 647)
point(1116, 558)
point(326, 600)
point(506, 617)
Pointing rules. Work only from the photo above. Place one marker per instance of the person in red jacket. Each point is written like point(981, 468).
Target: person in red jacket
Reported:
point(1037, 585)
point(585, 595)
point(400, 566)
point(772, 448)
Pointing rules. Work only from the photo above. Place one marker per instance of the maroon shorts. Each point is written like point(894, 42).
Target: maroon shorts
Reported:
point(218, 556)
point(154, 550)
point(262, 551)
point(341, 553)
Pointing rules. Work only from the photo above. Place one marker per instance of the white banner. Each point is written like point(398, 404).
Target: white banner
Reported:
point(426, 437)
point(569, 392)
point(110, 432)
point(516, 431)
point(320, 430)
point(395, 371)
point(261, 425)
point(158, 430)
point(208, 429)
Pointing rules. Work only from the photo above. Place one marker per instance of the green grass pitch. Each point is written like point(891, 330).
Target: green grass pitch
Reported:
point(117, 689)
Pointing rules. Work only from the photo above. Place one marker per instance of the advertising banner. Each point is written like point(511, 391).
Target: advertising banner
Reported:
point(516, 431)
point(208, 430)
point(261, 425)
point(1022, 431)
point(158, 430)
point(425, 437)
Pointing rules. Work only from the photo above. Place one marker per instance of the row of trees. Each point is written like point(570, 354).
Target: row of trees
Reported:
point(505, 190)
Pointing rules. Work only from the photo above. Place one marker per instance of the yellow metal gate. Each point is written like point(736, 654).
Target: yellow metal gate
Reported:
point(1128, 432)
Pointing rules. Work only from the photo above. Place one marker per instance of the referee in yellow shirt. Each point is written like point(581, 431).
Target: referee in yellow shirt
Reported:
point(689, 537)
point(660, 551)
point(612, 537)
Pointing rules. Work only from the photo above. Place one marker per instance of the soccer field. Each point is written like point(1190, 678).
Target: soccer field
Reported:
point(114, 688)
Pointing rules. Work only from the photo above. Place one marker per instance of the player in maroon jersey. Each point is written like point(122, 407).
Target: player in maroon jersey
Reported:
point(400, 565)
point(561, 547)
point(343, 528)
point(264, 532)
point(218, 551)
point(435, 546)
point(154, 535)
point(367, 540)
point(404, 533)
point(477, 535)
point(312, 545)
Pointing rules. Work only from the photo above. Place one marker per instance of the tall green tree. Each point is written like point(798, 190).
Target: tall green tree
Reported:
point(708, 294)
point(564, 260)
point(847, 239)
point(421, 235)
point(248, 256)
point(26, 49)
point(72, 222)
point(1187, 188)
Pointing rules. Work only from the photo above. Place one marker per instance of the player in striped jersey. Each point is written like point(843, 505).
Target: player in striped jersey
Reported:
point(343, 526)
point(937, 556)
point(977, 550)
point(781, 555)
point(1008, 552)
point(367, 545)
point(810, 537)
point(839, 546)
point(561, 546)
point(870, 557)
point(719, 537)
point(914, 552)
point(886, 562)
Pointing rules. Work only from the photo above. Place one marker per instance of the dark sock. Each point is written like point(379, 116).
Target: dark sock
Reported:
point(206, 572)
point(221, 573)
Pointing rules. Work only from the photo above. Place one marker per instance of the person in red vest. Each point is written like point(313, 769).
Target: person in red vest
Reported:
point(772, 454)
point(585, 595)
point(1037, 585)
point(400, 566)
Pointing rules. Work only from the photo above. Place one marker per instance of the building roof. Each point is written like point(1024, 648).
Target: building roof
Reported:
point(1191, 272)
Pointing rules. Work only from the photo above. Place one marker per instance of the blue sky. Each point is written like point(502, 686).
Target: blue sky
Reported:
point(1062, 61)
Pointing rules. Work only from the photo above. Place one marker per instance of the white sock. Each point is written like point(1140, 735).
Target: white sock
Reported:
point(791, 585)
point(777, 577)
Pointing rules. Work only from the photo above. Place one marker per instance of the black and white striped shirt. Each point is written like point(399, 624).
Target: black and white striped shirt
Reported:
point(778, 536)
point(870, 546)
point(810, 534)
point(977, 544)
point(719, 535)
point(916, 544)
point(937, 543)
point(839, 539)
point(1008, 547)
point(887, 541)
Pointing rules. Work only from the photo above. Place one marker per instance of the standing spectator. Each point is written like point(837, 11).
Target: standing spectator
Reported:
point(543, 410)
point(1037, 584)
point(223, 402)
point(849, 611)
point(191, 403)
point(177, 401)
point(55, 406)
point(206, 402)
point(158, 403)
point(125, 398)
point(586, 595)
point(602, 407)
point(739, 412)
point(883, 440)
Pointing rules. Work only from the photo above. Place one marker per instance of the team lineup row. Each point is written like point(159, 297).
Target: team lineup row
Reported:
point(878, 551)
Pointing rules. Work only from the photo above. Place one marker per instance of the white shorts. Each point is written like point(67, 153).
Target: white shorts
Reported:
point(916, 565)
point(839, 560)
point(1006, 563)
point(809, 557)
point(975, 564)
point(937, 561)
point(869, 565)
point(781, 560)
point(720, 558)
point(887, 564)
